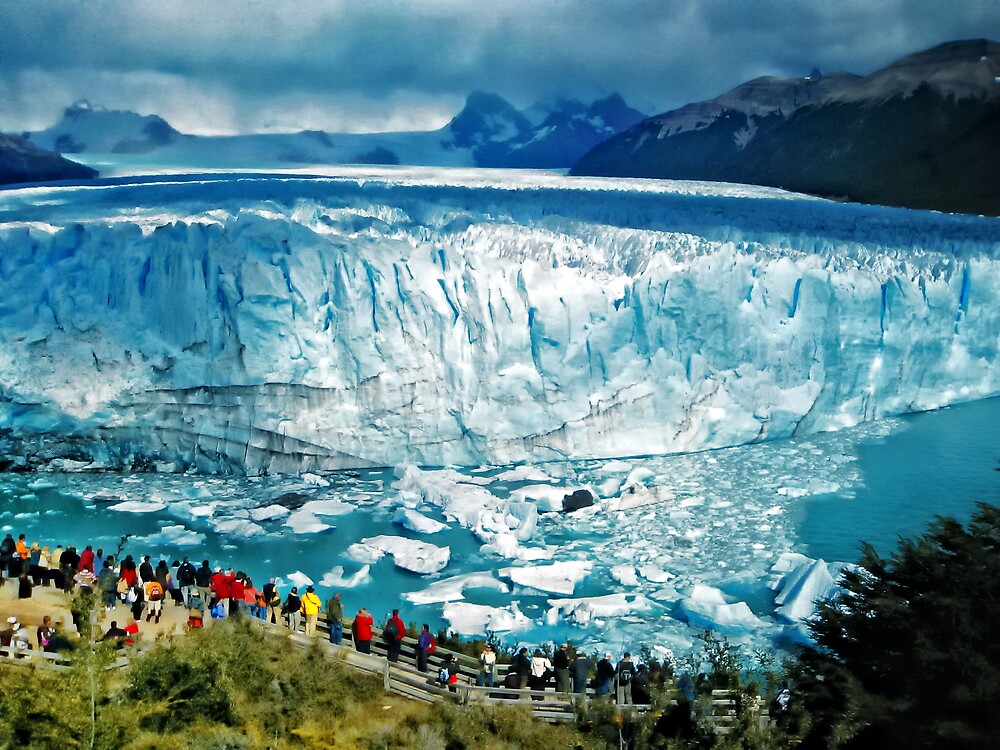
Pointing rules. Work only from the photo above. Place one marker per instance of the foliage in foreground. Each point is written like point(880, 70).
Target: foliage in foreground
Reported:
point(910, 658)
point(233, 686)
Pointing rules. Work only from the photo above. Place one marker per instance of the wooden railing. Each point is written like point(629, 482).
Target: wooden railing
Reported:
point(403, 678)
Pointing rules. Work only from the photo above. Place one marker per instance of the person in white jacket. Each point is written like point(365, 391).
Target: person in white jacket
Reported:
point(541, 670)
point(487, 666)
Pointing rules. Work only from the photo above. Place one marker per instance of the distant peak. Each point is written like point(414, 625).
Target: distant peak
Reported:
point(81, 106)
point(962, 50)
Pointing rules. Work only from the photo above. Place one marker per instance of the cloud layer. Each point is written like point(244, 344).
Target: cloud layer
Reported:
point(240, 65)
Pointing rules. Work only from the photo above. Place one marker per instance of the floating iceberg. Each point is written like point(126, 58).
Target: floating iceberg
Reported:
point(337, 580)
point(557, 578)
point(707, 607)
point(476, 619)
point(418, 522)
point(409, 554)
point(453, 589)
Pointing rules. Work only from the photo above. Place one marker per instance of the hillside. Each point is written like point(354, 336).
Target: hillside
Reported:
point(21, 161)
point(923, 132)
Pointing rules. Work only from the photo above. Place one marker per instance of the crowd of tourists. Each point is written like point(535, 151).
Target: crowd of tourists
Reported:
point(206, 591)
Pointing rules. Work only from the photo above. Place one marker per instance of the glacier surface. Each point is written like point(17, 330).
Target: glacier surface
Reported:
point(256, 323)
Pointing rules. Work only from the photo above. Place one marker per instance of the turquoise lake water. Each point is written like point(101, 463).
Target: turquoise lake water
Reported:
point(734, 511)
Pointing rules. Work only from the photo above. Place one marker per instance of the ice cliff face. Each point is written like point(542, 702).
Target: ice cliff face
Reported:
point(250, 323)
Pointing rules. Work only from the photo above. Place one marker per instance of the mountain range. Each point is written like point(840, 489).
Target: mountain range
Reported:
point(923, 132)
point(487, 132)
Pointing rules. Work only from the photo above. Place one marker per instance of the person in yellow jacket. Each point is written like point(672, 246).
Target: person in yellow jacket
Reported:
point(311, 606)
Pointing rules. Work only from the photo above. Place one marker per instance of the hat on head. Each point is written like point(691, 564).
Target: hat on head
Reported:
point(12, 619)
point(309, 588)
point(218, 569)
point(336, 596)
point(607, 655)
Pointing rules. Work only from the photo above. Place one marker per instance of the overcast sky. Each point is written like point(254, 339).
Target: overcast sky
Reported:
point(225, 66)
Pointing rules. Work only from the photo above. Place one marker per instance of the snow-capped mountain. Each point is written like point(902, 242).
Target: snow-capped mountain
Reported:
point(488, 132)
point(923, 132)
point(386, 316)
point(85, 128)
point(21, 161)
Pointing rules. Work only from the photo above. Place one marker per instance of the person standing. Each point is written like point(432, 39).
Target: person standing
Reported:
point(560, 663)
point(335, 617)
point(393, 634)
point(154, 595)
point(362, 631)
point(605, 675)
point(293, 608)
point(541, 668)
point(522, 666)
point(311, 605)
point(487, 667)
point(625, 672)
point(237, 591)
point(426, 645)
point(146, 570)
point(203, 580)
point(581, 673)
point(186, 579)
point(273, 599)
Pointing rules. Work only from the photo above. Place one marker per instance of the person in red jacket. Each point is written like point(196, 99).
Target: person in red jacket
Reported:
point(87, 559)
point(220, 590)
point(363, 623)
point(393, 634)
point(237, 589)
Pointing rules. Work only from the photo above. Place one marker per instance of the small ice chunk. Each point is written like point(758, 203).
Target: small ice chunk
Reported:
point(409, 554)
point(654, 574)
point(304, 522)
point(298, 578)
point(581, 611)
point(238, 527)
point(706, 607)
point(453, 589)
point(507, 545)
point(328, 507)
point(625, 575)
point(268, 512)
point(173, 535)
point(315, 480)
point(138, 506)
point(557, 578)
point(418, 522)
point(476, 619)
point(336, 578)
point(546, 498)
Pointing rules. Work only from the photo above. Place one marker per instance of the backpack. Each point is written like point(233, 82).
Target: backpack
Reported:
point(155, 593)
point(391, 631)
point(218, 611)
point(444, 675)
point(432, 646)
point(625, 677)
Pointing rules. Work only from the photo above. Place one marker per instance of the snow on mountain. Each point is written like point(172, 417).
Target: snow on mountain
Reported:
point(86, 128)
point(276, 323)
point(488, 132)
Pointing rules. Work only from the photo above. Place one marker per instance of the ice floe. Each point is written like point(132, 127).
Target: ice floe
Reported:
point(138, 506)
point(581, 611)
point(409, 554)
point(335, 578)
point(476, 619)
point(706, 607)
point(557, 578)
point(453, 589)
point(418, 522)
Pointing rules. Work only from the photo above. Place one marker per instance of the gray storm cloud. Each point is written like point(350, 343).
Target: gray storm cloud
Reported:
point(239, 65)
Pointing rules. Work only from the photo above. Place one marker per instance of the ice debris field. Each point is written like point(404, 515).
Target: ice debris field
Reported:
point(672, 544)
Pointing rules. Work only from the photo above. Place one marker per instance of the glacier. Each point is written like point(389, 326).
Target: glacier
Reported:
point(282, 323)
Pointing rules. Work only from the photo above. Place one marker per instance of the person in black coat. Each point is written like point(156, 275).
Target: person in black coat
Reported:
point(560, 665)
point(640, 686)
point(605, 675)
point(522, 666)
point(581, 673)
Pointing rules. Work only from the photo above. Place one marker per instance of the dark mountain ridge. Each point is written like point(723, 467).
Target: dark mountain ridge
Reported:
point(923, 132)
